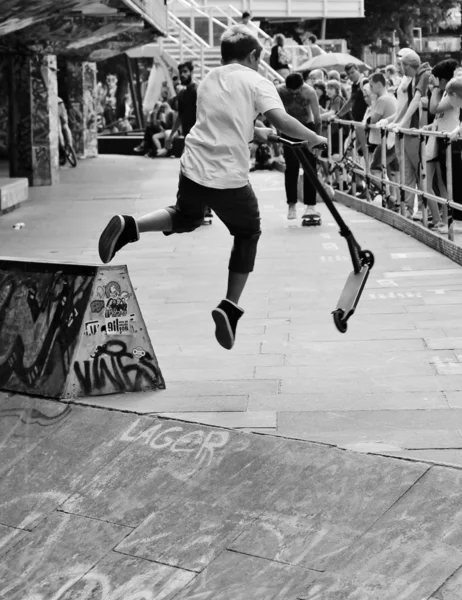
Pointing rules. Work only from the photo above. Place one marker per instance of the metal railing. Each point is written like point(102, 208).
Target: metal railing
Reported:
point(354, 169)
point(190, 41)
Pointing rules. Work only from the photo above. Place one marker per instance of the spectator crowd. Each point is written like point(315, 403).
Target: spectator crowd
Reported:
point(410, 94)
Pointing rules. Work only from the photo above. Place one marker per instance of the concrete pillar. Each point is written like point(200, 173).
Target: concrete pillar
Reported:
point(4, 103)
point(33, 90)
point(81, 89)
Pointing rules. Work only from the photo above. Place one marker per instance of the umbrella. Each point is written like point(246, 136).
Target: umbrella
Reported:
point(332, 60)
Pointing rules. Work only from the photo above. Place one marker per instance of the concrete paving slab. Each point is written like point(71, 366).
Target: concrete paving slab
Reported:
point(60, 551)
point(145, 477)
point(125, 577)
point(65, 461)
point(212, 510)
point(295, 530)
point(152, 403)
point(342, 401)
point(260, 419)
point(240, 577)
point(369, 383)
point(220, 388)
point(411, 429)
point(379, 564)
point(451, 457)
point(25, 423)
point(9, 537)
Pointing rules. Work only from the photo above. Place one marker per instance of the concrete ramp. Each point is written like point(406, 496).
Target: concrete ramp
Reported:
point(101, 505)
point(69, 330)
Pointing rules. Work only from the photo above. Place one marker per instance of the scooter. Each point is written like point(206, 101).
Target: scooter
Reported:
point(363, 260)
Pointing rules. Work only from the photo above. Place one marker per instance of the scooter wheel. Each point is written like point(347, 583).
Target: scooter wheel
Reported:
point(339, 321)
point(367, 258)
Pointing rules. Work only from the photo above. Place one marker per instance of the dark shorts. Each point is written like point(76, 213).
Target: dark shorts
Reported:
point(236, 208)
point(392, 160)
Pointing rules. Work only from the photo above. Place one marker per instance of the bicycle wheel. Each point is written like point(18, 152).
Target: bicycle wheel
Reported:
point(70, 155)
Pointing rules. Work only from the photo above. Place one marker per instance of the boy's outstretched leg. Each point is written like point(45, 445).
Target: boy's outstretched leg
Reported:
point(227, 313)
point(124, 229)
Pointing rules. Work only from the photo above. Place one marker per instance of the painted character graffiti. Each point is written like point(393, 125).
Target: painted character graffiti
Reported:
point(116, 303)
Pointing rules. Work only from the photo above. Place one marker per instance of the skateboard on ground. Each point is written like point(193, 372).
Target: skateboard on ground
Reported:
point(363, 260)
point(311, 221)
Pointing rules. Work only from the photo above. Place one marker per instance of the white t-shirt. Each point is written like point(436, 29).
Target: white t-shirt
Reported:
point(229, 99)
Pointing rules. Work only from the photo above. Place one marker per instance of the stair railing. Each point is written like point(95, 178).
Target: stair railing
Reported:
point(264, 68)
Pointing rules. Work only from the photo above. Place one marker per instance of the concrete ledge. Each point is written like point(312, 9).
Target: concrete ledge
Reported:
point(13, 192)
point(416, 230)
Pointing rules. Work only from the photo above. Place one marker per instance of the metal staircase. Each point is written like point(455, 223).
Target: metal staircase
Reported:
point(197, 37)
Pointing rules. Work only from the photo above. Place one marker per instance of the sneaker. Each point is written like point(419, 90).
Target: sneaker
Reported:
point(310, 212)
point(226, 315)
point(162, 152)
point(120, 231)
point(440, 227)
point(139, 149)
point(417, 216)
point(292, 213)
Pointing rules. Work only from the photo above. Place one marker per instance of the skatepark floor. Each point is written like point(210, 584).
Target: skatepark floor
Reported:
point(304, 464)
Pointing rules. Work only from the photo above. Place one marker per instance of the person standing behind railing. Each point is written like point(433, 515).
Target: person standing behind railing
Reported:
point(454, 95)
point(446, 120)
point(383, 107)
point(410, 117)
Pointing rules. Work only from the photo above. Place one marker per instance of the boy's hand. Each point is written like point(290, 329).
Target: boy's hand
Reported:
point(320, 141)
point(169, 143)
point(262, 135)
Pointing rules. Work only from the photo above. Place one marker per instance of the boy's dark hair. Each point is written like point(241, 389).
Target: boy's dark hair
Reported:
point(186, 65)
point(306, 74)
point(313, 39)
point(237, 42)
point(246, 14)
point(351, 66)
point(294, 81)
point(378, 78)
point(320, 85)
point(445, 69)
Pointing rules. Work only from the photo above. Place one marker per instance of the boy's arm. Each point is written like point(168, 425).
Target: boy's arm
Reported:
point(293, 128)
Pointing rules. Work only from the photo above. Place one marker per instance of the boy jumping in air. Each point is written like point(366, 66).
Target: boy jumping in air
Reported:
point(214, 168)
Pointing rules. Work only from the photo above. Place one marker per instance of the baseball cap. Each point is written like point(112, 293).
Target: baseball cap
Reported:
point(402, 53)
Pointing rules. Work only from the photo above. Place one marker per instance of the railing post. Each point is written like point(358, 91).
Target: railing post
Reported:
point(202, 62)
point(449, 188)
point(193, 20)
point(341, 144)
point(210, 31)
point(180, 37)
point(329, 151)
point(402, 176)
point(423, 178)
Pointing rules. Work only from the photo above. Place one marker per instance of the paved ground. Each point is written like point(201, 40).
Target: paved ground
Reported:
point(393, 382)
point(109, 505)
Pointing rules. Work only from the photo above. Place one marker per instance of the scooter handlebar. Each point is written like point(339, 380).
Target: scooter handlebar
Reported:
point(295, 144)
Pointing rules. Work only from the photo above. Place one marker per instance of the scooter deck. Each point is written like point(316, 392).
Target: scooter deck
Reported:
point(352, 291)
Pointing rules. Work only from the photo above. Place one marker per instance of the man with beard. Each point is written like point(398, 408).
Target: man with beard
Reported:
point(187, 103)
